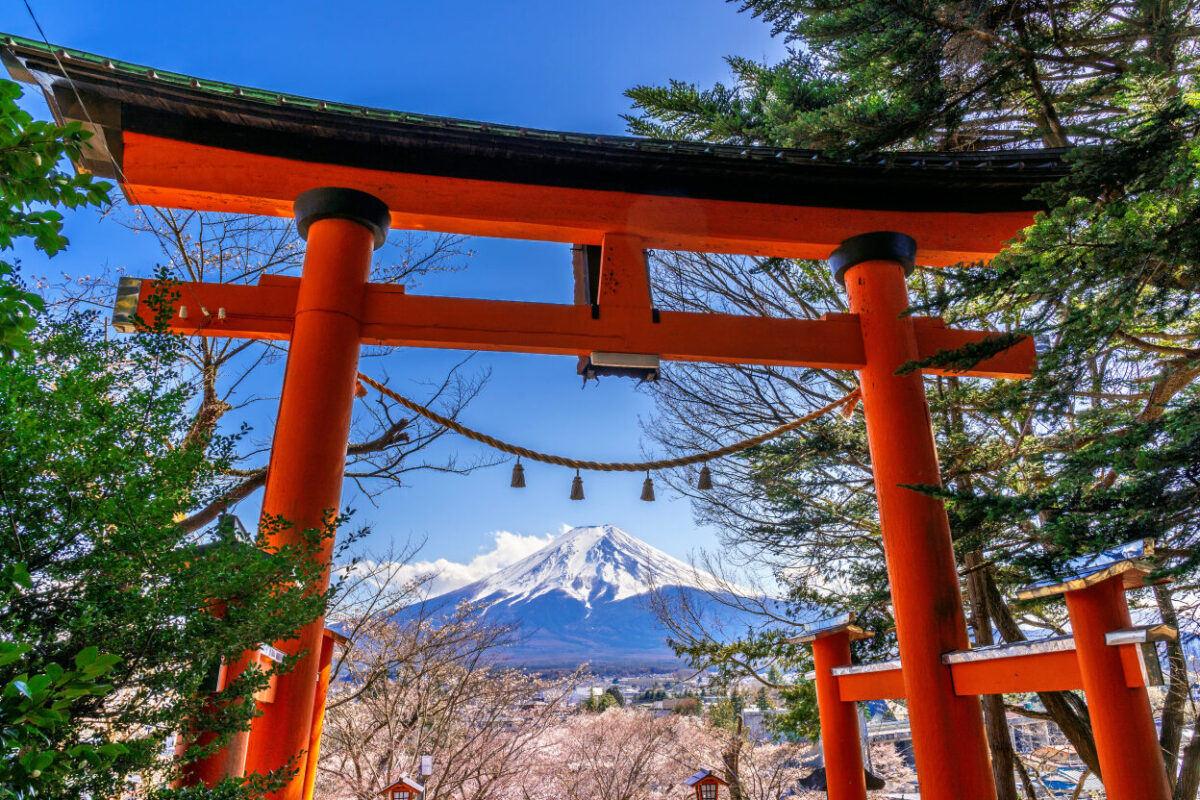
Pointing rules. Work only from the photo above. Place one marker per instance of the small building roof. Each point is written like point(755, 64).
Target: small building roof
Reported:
point(703, 775)
point(404, 782)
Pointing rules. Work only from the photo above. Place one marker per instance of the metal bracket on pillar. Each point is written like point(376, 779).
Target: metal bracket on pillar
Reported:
point(332, 202)
point(875, 246)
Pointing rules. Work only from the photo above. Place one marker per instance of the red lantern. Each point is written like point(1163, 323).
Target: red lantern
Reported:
point(707, 785)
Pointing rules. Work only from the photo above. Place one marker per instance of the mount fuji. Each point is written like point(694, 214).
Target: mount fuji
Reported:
point(585, 597)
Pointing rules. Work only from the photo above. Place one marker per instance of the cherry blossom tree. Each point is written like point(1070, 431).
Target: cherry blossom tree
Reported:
point(418, 680)
point(621, 754)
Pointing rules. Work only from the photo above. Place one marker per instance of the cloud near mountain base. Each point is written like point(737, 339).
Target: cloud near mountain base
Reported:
point(445, 575)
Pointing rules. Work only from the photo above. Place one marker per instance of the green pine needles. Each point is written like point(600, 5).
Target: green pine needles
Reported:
point(1100, 447)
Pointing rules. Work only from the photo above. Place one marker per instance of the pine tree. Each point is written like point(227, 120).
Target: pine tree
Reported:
point(1100, 447)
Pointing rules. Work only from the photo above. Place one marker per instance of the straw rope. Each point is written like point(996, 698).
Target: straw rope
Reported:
point(847, 402)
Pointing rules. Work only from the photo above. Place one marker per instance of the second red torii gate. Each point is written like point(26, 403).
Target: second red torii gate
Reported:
point(353, 173)
point(1103, 657)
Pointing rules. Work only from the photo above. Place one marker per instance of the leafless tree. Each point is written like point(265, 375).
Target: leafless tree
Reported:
point(385, 445)
point(632, 754)
point(622, 754)
point(421, 678)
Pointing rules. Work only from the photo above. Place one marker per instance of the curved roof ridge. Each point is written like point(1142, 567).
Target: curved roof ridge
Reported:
point(18, 46)
point(184, 142)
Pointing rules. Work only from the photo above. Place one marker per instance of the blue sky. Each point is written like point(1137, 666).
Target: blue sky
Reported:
point(558, 65)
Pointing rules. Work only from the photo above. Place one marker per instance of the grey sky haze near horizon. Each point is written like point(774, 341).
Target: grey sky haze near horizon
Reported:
point(539, 64)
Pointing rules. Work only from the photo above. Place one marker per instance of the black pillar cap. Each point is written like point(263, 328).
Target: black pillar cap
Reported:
point(874, 246)
point(332, 202)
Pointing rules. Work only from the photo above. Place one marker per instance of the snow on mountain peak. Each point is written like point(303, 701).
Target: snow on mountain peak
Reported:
point(594, 563)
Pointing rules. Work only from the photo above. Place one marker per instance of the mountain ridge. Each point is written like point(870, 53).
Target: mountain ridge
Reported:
point(585, 597)
point(587, 559)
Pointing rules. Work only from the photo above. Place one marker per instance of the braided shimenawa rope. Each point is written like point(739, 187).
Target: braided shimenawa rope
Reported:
point(847, 401)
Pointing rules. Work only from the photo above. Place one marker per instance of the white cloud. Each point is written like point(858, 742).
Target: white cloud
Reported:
point(507, 548)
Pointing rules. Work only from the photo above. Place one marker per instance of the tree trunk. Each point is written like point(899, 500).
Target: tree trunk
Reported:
point(1177, 684)
point(1189, 770)
point(994, 716)
point(1079, 786)
point(730, 757)
point(1030, 789)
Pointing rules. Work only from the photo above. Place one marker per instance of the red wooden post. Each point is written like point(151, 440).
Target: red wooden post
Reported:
point(318, 721)
point(841, 740)
point(230, 759)
point(1131, 761)
point(949, 744)
point(308, 454)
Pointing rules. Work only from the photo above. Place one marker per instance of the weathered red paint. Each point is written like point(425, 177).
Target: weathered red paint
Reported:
point(885, 684)
point(1038, 672)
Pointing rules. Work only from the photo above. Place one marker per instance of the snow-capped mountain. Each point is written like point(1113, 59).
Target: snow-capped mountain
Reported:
point(597, 563)
point(584, 597)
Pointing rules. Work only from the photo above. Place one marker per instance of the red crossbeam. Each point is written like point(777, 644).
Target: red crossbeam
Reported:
point(885, 684)
point(1037, 672)
point(392, 317)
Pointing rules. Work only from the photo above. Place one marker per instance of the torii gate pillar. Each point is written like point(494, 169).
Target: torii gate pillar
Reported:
point(841, 743)
point(1126, 739)
point(949, 744)
point(308, 452)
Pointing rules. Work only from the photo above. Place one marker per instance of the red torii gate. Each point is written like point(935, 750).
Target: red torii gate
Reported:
point(1103, 657)
point(352, 173)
